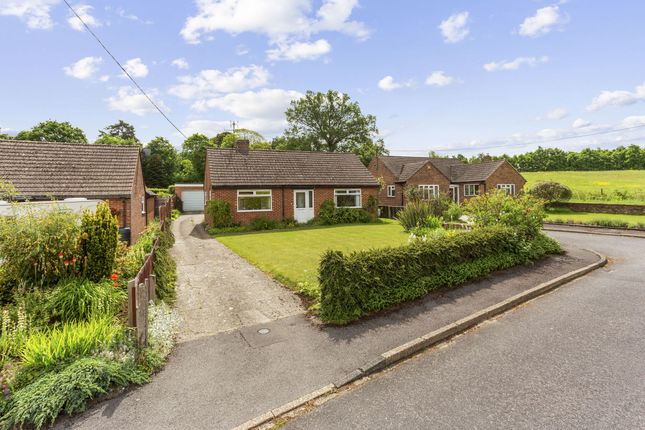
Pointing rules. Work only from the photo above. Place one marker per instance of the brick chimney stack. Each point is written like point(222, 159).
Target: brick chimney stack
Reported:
point(242, 146)
point(487, 158)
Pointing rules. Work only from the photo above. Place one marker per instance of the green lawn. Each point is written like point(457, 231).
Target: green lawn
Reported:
point(566, 215)
point(292, 256)
point(616, 186)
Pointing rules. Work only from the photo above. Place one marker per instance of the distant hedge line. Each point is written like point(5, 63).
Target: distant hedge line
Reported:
point(363, 282)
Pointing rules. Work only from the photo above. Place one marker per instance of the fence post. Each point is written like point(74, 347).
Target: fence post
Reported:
point(132, 303)
point(142, 315)
point(152, 287)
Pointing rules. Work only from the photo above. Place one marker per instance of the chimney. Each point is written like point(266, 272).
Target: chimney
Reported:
point(242, 146)
point(487, 158)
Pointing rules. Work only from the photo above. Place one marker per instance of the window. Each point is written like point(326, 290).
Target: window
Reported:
point(254, 200)
point(471, 190)
point(391, 190)
point(143, 205)
point(509, 188)
point(429, 191)
point(350, 198)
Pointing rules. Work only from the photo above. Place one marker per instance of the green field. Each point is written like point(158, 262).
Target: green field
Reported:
point(292, 256)
point(615, 186)
point(562, 215)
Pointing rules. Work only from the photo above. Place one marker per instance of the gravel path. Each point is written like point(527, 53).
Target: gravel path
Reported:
point(218, 290)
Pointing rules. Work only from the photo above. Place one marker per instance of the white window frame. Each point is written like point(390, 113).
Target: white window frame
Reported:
point(470, 194)
point(509, 188)
point(346, 192)
point(254, 193)
point(432, 189)
point(143, 205)
point(391, 190)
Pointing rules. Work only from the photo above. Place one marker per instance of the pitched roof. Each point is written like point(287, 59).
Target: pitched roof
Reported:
point(452, 168)
point(230, 167)
point(60, 170)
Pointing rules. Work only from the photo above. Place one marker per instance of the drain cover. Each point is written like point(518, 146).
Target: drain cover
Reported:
point(264, 331)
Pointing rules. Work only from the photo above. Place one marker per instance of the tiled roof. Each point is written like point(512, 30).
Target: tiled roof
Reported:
point(453, 169)
point(230, 167)
point(60, 170)
point(475, 172)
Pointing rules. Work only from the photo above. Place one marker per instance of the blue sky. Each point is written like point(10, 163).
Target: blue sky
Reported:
point(454, 76)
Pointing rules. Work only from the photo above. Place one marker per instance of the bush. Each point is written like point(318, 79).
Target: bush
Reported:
point(524, 213)
point(453, 212)
point(551, 192)
point(362, 282)
point(67, 391)
point(165, 268)
point(219, 213)
point(414, 214)
point(81, 300)
point(99, 240)
point(329, 214)
point(263, 223)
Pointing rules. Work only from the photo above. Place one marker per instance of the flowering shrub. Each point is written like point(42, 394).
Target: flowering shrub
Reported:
point(163, 327)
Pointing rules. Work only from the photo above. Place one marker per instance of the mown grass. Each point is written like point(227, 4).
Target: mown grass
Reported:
point(613, 186)
point(563, 215)
point(292, 256)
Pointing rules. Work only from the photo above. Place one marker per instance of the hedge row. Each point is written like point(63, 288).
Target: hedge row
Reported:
point(363, 282)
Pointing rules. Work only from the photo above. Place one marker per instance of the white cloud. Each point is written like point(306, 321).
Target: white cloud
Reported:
point(439, 78)
point(104, 78)
point(180, 63)
point(557, 113)
point(285, 23)
point(515, 64)
point(212, 82)
point(388, 84)
point(542, 22)
point(123, 14)
point(136, 68)
point(241, 50)
point(83, 68)
point(617, 98)
point(84, 11)
point(548, 133)
point(128, 99)
point(580, 123)
point(35, 13)
point(634, 121)
point(206, 126)
point(297, 51)
point(455, 28)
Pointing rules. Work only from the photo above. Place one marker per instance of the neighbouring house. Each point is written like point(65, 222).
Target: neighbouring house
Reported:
point(58, 171)
point(451, 176)
point(191, 197)
point(284, 184)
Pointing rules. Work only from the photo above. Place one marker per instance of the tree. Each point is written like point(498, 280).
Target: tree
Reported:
point(53, 131)
point(5, 136)
point(333, 123)
point(551, 192)
point(186, 172)
point(160, 163)
point(194, 149)
point(107, 139)
point(120, 129)
point(256, 140)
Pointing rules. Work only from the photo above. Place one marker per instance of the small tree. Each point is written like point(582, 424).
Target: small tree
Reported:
point(219, 214)
point(99, 240)
point(551, 192)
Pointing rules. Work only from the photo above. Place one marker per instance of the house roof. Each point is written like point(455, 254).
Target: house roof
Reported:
point(455, 170)
point(61, 170)
point(230, 167)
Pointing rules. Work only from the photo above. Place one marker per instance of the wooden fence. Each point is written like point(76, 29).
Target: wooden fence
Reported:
point(142, 289)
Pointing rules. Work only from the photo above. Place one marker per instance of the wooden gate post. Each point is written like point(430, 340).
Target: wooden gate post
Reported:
point(152, 287)
point(132, 303)
point(142, 314)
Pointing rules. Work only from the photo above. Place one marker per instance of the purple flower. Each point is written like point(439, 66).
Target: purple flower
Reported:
point(7, 391)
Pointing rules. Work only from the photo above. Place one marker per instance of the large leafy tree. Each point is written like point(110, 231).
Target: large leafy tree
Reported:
point(53, 131)
point(120, 129)
point(106, 139)
point(332, 122)
point(194, 149)
point(5, 136)
point(160, 163)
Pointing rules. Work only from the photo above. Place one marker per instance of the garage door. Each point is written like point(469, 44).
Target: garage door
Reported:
point(192, 201)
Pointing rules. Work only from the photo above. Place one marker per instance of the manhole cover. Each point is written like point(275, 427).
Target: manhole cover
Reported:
point(264, 331)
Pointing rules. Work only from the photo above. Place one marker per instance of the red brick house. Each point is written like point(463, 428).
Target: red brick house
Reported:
point(451, 176)
point(284, 184)
point(50, 170)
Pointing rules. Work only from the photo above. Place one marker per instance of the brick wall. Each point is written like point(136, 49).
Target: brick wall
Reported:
point(150, 209)
point(137, 217)
point(603, 208)
point(378, 170)
point(120, 208)
point(506, 174)
point(429, 175)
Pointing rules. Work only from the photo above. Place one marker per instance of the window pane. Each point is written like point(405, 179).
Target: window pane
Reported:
point(254, 203)
point(311, 199)
point(300, 200)
point(346, 201)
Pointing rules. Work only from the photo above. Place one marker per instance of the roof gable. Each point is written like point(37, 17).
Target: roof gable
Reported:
point(230, 167)
point(60, 170)
point(453, 169)
point(476, 172)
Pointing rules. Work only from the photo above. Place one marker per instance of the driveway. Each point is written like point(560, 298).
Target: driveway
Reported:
point(219, 291)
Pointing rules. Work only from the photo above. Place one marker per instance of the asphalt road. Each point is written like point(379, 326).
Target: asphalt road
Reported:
point(574, 358)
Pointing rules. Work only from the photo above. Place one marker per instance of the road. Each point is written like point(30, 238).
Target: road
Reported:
point(574, 358)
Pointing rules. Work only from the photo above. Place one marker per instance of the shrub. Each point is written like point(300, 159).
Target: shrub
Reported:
point(329, 214)
point(551, 192)
point(99, 240)
point(219, 213)
point(16, 326)
point(362, 282)
point(39, 248)
point(165, 268)
point(524, 213)
point(262, 223)
point(174, 214)
point(453, 212)
point(67, 391)
point(414, 214)
point(163, 328)
point(82, 300)
point(413, 193)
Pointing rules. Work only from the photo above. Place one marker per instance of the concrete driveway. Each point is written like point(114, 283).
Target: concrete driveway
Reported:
point(219, 291)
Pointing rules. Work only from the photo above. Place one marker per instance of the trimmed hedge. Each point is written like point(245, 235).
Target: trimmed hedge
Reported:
point(363, 282)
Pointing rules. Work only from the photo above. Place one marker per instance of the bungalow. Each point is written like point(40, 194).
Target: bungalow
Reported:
point(58, 171)
point(451, 176)
point(284, 184)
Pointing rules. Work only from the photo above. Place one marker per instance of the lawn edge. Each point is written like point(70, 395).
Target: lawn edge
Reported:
point(433, 338)
point(595, 229)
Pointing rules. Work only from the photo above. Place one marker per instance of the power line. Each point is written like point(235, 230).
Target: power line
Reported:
point(124, 71)
point(508, 145)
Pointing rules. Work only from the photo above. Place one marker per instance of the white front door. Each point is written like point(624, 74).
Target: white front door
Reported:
point(454, 193)
point(303, 205)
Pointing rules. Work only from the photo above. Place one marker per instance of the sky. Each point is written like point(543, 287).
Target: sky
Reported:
point(453, 76)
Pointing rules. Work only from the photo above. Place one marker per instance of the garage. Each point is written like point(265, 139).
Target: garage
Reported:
point(191, 196)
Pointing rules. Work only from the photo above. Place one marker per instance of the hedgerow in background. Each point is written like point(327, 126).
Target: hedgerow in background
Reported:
point(219, 213)
point(99, 240)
